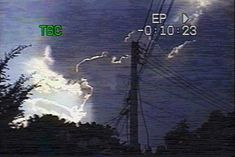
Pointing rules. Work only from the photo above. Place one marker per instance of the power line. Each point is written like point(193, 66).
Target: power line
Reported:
point(170, 92)
point(122, 127)
point(160, 5)
point(162, 109)
point(159, 63)
point(159, 32)
point(118, 121)
point(120, 116)
point(146, 19)
point(112, 119)
point(185, 86)
point(182, 80)
point(151, 44)
point(143, 116)
point(182, 84)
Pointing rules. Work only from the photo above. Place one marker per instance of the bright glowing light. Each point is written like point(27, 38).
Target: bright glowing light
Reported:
point(194, 9)
point(204, 3)
point(56, 95)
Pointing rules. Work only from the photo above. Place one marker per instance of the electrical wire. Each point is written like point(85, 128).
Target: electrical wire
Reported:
point(171, 71)
point(112, 119)
point(146, 19)
point(149, 50)
point(170, 92)
point(143, 117)
point(164, 110)
point(183, 81)
point(181, 84)
point(151, 44)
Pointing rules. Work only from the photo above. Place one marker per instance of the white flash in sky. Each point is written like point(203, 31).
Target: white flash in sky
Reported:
point(56, 95)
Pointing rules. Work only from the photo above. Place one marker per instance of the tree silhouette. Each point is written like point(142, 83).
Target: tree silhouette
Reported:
point(47, 134)
point(50, 135)
point(177, 140)
point(12, 95)
point(215, 136)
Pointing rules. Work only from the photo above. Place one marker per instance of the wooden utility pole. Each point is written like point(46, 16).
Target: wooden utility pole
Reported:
point(133, 118)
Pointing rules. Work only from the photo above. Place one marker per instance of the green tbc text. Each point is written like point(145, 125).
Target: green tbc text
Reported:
point(51, 30)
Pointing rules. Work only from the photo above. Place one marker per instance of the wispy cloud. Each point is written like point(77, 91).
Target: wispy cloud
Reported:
point(177, 49)
point(102, 55)
point(116, 60)
point(129, 36)
point(105, 54)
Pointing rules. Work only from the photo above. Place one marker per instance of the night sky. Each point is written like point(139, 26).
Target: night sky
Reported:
point(93, 26)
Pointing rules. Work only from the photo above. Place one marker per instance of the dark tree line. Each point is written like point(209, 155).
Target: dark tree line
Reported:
point(47, 134)
point(50, 135)
point(215, 136)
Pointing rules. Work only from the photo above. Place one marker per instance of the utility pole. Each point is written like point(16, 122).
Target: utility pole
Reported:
point(133, 98)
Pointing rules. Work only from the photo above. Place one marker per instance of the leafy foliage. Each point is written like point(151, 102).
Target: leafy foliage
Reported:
point(50, 135)
point(47, 134)
point(12, 95)
point(177, 140)
point(215, 136)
